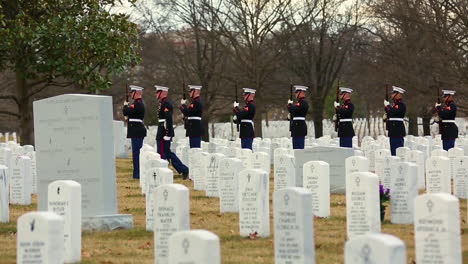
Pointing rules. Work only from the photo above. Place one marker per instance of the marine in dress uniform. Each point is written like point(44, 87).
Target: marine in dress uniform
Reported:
point(298, 112)
point(136, 130)
point(345, 112)
point(395, 119)
point(166, 132)
point(245, 118)
point(447, 114)
point(193, 114)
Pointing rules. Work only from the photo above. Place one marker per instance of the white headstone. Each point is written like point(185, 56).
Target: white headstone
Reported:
point(171, 214)
point(362, 204)
point(404, 189)
point(317, 181)
point(212, 175)
point(401, 152)
point(40, 238)
point(261, 161)
point(77, 143)
point(284, 171)
point(438, 175)
point(389, 163)
point(229, 169)
point(32, 156)
point(375, 248)
point(194, 164)
point(417, 157)
point(356, 164)
point(119, 140)
point(254, 212)
point(452, 154)
point(380, 156)
point(460, 179)
point(246, 156)
point(437, 229)
point(194, 247)
point(4, 195)
point(64, 199)
point(157, 177)
point(439, 153)
point(152, 163)
point(294, 226)
point(20, 180)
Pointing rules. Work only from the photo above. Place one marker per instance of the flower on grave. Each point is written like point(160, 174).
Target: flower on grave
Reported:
point(384, 194)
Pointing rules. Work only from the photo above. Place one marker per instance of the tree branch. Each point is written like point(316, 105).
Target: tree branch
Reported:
point(4, 112)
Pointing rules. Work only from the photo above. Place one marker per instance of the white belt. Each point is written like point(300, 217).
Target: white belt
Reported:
point(162, 121)
point(299, 118)
point(396, 119)
point(247, 121)
point(194, 118)
point(448, 121)
point(135, 120)
point(346, 120)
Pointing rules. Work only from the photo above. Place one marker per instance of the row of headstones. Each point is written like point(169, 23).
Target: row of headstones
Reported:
point(7, 136)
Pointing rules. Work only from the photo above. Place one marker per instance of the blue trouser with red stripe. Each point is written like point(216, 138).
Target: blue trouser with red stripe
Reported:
point(164, 149)
point(346, 142)
point(195, 142)
point(298, 142)
point(137, 143)
point(448, 144)
point(246, 143)
point(396, 142)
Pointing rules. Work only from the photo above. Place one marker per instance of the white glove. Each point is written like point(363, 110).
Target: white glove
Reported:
point(290, 101)
point(234, 118)
point(183, 101)
point(289, 116)
point(334, 118)
point(235, 104)
point(336, 104)
point(437, 105)
point(386, 103)
point(167, 138)
point(125, 103)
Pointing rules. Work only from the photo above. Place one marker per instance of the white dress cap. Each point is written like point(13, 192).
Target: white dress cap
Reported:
point(301, 88)
point(346, 90)
point(448, 92)
point(194, 87)
point(398, 89)
point(161, 88)
point(136, 88)
point(249, 90)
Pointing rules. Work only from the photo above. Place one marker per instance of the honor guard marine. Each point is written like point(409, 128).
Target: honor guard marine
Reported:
point(345, 121)
point(165, 132)
point(395, 119)
point(245, 117)
point(297, 114)
point(136, 130)
point(193, 115)
point(447, 114)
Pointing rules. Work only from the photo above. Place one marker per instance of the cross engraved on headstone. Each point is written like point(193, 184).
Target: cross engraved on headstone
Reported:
point(165, 194)
point(212, 162)
point(430, 205)
point(286, 199)
point(58, 190)
point(65, 110)
point(32, 225)
point(365, 253)
point(312, 168)
point(185, 245)
point(461, 162)
point(400, 169)
point(281, 160)
point(17, 159)
point(353, 162)
point(68, 162)
point(50, 141)
point(248, 177)
point(154, 176)
point(434, 163)
point(357, 180)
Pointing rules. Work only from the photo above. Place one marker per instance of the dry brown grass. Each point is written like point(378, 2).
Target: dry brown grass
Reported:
point(136, 245)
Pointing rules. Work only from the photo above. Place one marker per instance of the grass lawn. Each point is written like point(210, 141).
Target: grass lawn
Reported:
point(136, 245)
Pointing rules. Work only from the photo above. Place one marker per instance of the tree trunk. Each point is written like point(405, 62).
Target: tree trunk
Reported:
point(206, 128)
point(317, 116)
point(25, 110)
point(260, 110)
point(426, 125)
point(413, 124)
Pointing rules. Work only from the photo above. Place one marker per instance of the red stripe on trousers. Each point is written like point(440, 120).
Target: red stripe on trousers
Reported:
point(161, 146)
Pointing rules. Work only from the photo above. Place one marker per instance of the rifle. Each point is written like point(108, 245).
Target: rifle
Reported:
point(290, 98)
point(236, 100)
point(184, 118)
point(385, 114)
point(439, 122)
point(126, 100)
point(337, 113)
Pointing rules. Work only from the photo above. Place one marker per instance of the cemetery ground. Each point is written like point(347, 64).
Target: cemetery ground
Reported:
point(137, 245)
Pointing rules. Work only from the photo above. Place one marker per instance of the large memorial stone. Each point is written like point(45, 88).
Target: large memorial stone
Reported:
point(362, 204)
point(194, 247)
point(254, 212)
point(334, 156)
point(294, 226)
point(4, 195)
point(64, 199)
point(212, 176)
point(460, 179)
point(20, 181)
point(157, 177)
point(284, 172)
point(40, 238)
point(417, 157)
point(438, 175)
point(437, 229)
point(77, 143)
point(317, 181)
point(229, 169)
point(403, 191)
point(171, 214)
point(375, 248)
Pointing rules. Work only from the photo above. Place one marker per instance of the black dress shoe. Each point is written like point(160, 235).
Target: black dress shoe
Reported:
point(185, 176)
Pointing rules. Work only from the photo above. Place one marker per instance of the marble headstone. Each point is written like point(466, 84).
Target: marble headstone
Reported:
point(317, 181)
point(284, 171)
point(375, 248)
point(229, 169)
point(212, 175)
point(4, 195)
point(438, 175)
point(194, 247)
point(20, 180)
point(404, 189)
point(460, 179)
